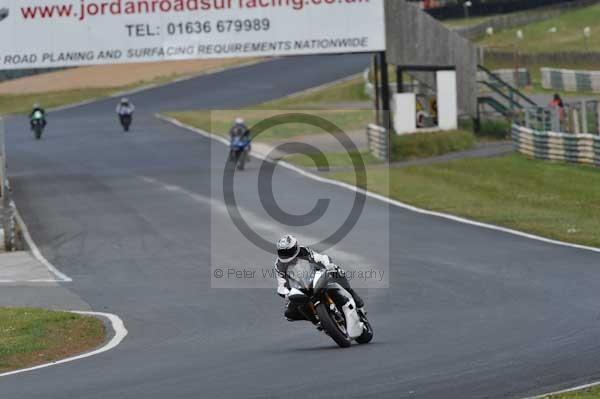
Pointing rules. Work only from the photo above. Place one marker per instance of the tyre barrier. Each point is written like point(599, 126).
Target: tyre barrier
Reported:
point(575, 148)
point(571, 80)
point(377, 138)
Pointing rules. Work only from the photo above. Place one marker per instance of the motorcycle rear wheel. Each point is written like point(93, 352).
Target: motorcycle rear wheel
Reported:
point(331, 327)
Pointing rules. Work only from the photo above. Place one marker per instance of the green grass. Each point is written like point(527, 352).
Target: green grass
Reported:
point(346, 92)
point(327, 103)
point(22, 103)
point(219, 122)
point(554, 200)
point(589, 393)
point(34, 336)
point(332, 159)
point(423, 145)
point(538, 39)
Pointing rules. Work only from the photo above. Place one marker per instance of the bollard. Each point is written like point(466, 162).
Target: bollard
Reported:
point(575, 118)
point(598, 117)
point(583, 117)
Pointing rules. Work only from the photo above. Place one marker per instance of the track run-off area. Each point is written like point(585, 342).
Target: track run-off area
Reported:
point(132, 219)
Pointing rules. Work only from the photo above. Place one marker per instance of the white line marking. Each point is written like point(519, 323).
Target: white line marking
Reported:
point(382, 198)
point(61, 277)
point(407, 207)
point(578, 388)
point(120, 333)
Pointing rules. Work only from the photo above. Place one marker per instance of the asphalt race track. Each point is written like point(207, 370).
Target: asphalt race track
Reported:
point(132, 218)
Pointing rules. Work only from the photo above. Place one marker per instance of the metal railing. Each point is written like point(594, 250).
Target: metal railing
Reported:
point(513, 96)
point(581, 117)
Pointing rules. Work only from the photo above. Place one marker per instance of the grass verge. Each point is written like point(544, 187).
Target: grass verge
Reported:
point(588, 393)
point(35, 336)
point(423, 145)
point(332, 159)
point(219, 122)
point(538, 38)
point(553, 200)
point(349, 91)
point(22, 103)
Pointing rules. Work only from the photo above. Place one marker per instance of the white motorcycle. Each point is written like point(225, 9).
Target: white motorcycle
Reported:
point(327, 304)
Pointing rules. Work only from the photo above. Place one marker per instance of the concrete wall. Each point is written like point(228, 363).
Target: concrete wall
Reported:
point(415, 38)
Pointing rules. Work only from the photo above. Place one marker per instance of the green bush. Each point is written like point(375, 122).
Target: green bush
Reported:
point(494, 129)
point(423, 145)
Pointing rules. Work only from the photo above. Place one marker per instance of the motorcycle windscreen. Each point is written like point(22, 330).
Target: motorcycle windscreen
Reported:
point(301, 274)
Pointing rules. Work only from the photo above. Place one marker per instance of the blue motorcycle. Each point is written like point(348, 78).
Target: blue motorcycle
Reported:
point(238, 151)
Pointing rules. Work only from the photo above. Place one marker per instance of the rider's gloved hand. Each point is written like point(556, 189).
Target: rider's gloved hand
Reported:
point(335, 271)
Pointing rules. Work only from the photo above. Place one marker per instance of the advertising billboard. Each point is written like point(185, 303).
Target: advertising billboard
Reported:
point(59, 33)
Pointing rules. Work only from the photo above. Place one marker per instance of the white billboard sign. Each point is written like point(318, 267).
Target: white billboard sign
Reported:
point(57, 33)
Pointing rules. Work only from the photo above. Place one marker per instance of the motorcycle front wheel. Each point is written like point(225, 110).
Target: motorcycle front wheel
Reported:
point(367, 335)
point(38, 133)
point(242, 160)
point(332, 327)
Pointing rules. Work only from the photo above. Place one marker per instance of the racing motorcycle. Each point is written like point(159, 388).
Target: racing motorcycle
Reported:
point(126, 120)
point(238, 151)
point(327, 305)
point(37, 124)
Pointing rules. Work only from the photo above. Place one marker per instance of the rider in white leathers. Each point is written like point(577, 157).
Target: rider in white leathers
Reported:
point(288, 252)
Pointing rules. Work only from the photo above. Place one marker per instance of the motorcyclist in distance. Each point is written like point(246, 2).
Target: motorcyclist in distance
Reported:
point(35, 109)
point(288, 252)
point(239, 129)
point(125, 111)
point(125, 107)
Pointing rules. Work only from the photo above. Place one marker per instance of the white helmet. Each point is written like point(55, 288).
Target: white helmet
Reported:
point(287, 249)
point(124, 100)
point(239, 121)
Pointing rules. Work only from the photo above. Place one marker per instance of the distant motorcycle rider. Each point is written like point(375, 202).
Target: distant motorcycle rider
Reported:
point(37, 109)
point(288, 252)
point(239, 129)
point(125, 107)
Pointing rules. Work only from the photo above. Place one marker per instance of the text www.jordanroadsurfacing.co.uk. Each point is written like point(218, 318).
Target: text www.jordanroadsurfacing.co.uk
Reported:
point(86, 9)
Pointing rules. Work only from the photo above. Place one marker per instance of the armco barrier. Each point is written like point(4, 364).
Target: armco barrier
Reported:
point(570, 80)
point(577, 148)
point(377, 137)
